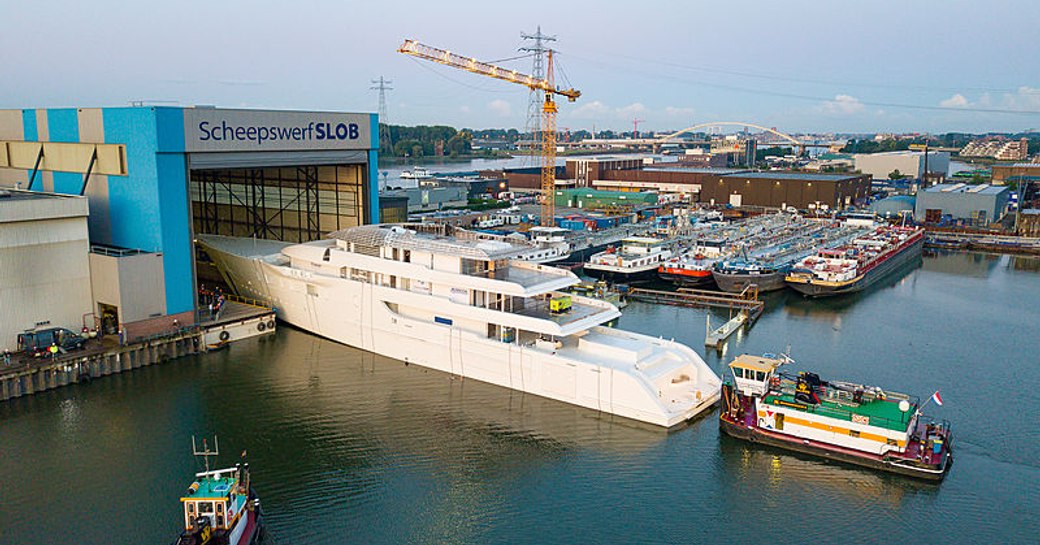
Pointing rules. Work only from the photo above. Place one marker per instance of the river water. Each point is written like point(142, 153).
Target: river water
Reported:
point(348, 447)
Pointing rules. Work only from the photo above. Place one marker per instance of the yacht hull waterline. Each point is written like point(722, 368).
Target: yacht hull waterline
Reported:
point(643, 378)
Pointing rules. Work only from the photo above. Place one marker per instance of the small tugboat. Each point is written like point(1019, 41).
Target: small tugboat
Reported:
point(852, 423)
point(220, 506)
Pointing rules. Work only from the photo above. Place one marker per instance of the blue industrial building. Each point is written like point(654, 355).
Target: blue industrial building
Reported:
point(155, 176)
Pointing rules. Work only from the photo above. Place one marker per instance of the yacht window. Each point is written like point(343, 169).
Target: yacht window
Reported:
point(738, 372)
point(220, 521)
point(191, 508)
point(220, 507)
point(205, 507)
point(407, 256)
point(760, 376)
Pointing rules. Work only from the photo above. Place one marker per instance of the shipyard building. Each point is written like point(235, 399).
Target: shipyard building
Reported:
point(153, 177)
point(980, 204)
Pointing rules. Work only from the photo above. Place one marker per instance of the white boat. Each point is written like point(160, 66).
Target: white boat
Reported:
point(417, 173)
point(638, 259)
point(553, 241)
point(463, 303)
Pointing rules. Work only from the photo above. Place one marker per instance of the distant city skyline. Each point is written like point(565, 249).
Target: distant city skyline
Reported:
point(799, 66)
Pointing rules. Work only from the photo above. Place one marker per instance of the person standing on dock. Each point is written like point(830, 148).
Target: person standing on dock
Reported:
point(7, 358)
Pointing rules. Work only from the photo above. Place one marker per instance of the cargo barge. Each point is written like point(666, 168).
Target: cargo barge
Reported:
point(856, 266)
point(840, 421)
point(768, 268)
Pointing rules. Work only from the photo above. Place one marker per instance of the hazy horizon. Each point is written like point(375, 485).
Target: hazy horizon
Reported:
point(797, 66)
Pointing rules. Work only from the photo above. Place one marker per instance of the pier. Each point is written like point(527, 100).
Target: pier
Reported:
point(238, 320)
point(747, 305)
point(689, 297)
point(715, 338)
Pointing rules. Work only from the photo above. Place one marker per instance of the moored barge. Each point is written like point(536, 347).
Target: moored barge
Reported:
point(857, 265)
point(851, 423)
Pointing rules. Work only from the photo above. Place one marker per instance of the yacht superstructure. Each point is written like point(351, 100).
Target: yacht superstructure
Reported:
point(456, 301)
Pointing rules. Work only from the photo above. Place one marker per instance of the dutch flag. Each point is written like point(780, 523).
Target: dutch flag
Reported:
point(936, 398)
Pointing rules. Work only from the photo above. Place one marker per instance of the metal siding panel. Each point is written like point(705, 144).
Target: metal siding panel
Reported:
point(134, 199)
point(373, 129)
point(92, 129)
point(373, 186)
point(12, 126)
point(169, 129)
point(260, 159)
point(175, 226)
point(63, 126)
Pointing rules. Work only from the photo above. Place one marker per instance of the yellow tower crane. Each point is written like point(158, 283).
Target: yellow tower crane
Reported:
point(547, 86)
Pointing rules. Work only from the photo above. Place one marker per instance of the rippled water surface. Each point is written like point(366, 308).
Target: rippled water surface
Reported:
point(348, 447)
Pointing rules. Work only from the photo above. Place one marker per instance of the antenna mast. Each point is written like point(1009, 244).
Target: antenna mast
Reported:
point(205, 452)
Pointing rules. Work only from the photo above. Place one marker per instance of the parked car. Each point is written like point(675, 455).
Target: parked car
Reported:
point(36, 343)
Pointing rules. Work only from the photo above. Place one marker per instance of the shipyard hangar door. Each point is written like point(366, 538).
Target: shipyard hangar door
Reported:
point(286, 176)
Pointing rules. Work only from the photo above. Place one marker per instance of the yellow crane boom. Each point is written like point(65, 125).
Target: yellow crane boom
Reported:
point(547, 86)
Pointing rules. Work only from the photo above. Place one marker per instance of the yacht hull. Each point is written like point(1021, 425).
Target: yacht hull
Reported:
point(364, 315)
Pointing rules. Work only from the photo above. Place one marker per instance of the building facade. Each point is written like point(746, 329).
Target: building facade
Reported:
point(156, 176)
point(1016, 173)
point(908, 163)
point(772, 189)
point(44, 270)
point(978, 203)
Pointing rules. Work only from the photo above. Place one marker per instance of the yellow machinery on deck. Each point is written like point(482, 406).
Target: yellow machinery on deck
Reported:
point(560, 303)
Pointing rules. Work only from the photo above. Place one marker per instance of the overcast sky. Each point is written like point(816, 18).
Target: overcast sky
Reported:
point(798, 66)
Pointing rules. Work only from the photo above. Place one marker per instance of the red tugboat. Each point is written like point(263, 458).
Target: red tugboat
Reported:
point(852, 423)
point(220, 506)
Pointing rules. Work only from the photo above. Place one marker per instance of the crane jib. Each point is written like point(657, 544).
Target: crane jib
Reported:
point(549, 110)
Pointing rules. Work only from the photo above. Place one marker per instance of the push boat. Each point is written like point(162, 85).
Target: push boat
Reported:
point(637, 259)
point(220, 506)
point(857, 265)
point(841, 421)
point(457, 301)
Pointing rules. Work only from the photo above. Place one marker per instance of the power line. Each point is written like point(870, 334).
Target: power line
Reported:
point(533, 125)
point(383, 85)
point(796, 96)
point(772, 77)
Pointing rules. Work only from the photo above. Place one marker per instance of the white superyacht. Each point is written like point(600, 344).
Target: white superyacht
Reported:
point(466, 303)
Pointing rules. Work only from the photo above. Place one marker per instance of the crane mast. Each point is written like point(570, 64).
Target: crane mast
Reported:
point(549, 110)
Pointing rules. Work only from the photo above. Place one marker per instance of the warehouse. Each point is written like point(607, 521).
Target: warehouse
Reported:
point(786, 189)
point(600, 199)
point(156, 176)
point(666, 179)
point(908, 163)
point(977, 203)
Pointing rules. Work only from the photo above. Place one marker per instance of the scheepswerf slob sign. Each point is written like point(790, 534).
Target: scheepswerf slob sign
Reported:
point(211, 129)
